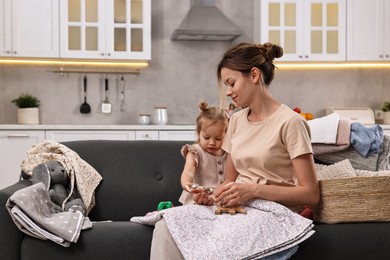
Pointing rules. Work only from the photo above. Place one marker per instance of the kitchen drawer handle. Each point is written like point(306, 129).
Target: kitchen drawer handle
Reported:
point(17, 135)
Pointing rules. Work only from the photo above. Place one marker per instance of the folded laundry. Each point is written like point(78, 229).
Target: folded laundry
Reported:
point(324, 129)
point(274, 228)
point(33, 213)
point(342, 141)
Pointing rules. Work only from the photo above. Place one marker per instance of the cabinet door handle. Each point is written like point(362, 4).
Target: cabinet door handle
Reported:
point(387, 55)
point(17, 135)
point(381, 56)
point(8, 52)
point(102, 54)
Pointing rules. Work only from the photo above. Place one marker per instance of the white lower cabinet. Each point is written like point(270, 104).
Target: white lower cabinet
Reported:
point(177, 135)
point(146, 135)
point(13, 148)
point(75, 135)
point(63, 136)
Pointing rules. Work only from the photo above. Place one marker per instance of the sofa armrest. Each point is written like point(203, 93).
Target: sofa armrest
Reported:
point(10, 235)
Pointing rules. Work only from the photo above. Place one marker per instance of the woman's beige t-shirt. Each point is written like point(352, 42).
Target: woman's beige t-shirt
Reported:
point(210, 170)
point(262, 151)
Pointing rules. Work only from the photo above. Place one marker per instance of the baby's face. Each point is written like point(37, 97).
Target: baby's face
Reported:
point(211, 137)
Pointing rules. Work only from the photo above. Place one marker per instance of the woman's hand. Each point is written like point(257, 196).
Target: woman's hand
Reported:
point(203, 198)
point(234, 194)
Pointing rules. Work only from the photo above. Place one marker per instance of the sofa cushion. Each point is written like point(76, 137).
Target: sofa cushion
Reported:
point(358, 241)
point(137, 175)
point(106, 240)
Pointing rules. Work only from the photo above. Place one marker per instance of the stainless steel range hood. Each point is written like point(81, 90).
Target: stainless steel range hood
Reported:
point(205, 22)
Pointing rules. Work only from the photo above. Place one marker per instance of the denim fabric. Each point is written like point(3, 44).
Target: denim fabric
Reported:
point(366, 140)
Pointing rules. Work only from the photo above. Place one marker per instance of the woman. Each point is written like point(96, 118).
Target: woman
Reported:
point(268, 144)
point(269, 154)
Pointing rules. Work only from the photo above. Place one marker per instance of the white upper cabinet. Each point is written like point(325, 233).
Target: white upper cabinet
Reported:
point(308, 30)
point(29, 28)
point(111, 29)
point(368, 27)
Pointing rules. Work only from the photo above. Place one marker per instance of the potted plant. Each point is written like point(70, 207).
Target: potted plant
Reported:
point(386, 112)
point(28, 108)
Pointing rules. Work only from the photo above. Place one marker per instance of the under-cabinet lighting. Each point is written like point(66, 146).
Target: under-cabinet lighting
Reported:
point(332, 65)
point(140, 64)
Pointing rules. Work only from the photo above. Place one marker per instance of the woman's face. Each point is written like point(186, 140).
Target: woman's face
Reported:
point(238, 86)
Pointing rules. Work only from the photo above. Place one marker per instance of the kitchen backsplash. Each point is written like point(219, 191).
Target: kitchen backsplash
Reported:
point(180, 75)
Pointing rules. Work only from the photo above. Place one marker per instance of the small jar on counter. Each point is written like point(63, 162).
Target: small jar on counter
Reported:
point(144, 119)
point(160, 116)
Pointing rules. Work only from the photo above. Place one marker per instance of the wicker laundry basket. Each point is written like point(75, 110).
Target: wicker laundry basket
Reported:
point(356, 199)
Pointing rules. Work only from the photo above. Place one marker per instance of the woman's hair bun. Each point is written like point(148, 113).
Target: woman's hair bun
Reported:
point(273, 51)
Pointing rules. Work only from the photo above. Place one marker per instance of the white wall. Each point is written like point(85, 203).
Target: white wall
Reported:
point(180, 75)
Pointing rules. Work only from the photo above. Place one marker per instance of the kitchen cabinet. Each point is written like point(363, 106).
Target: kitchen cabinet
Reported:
point(13, 148)
point(111, 29)
point(29, 28)
point(368, 30)
point(146, 135)
point(75, 135)
point(308, 30)
point(178, 135)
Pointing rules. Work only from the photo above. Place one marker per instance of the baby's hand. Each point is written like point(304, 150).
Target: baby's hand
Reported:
point(187, 187)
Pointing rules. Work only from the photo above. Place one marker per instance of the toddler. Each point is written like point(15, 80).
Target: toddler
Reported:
point(205, 160)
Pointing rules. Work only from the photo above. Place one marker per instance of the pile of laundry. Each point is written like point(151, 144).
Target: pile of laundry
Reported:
point(334, 139)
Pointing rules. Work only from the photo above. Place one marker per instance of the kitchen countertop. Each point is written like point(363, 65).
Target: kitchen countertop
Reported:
point(97, 127)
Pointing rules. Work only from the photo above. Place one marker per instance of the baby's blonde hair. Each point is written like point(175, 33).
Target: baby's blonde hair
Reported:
point(211, 113)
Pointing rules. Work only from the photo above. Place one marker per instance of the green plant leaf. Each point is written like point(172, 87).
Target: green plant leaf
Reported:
point(26, 100)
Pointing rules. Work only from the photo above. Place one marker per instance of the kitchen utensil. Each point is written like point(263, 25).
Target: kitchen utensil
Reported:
point(106, 106)
point(160, 116)
point(122, 106)
point(85, 108)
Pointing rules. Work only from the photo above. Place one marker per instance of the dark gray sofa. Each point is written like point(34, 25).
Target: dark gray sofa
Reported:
point(137, 175)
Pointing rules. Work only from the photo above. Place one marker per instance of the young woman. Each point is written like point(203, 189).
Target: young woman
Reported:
point(268, 144)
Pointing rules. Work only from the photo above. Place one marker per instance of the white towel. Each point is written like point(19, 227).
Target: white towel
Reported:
point(324, 129)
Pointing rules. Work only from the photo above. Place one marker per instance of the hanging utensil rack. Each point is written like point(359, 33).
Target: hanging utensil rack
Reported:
point(62, 71)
